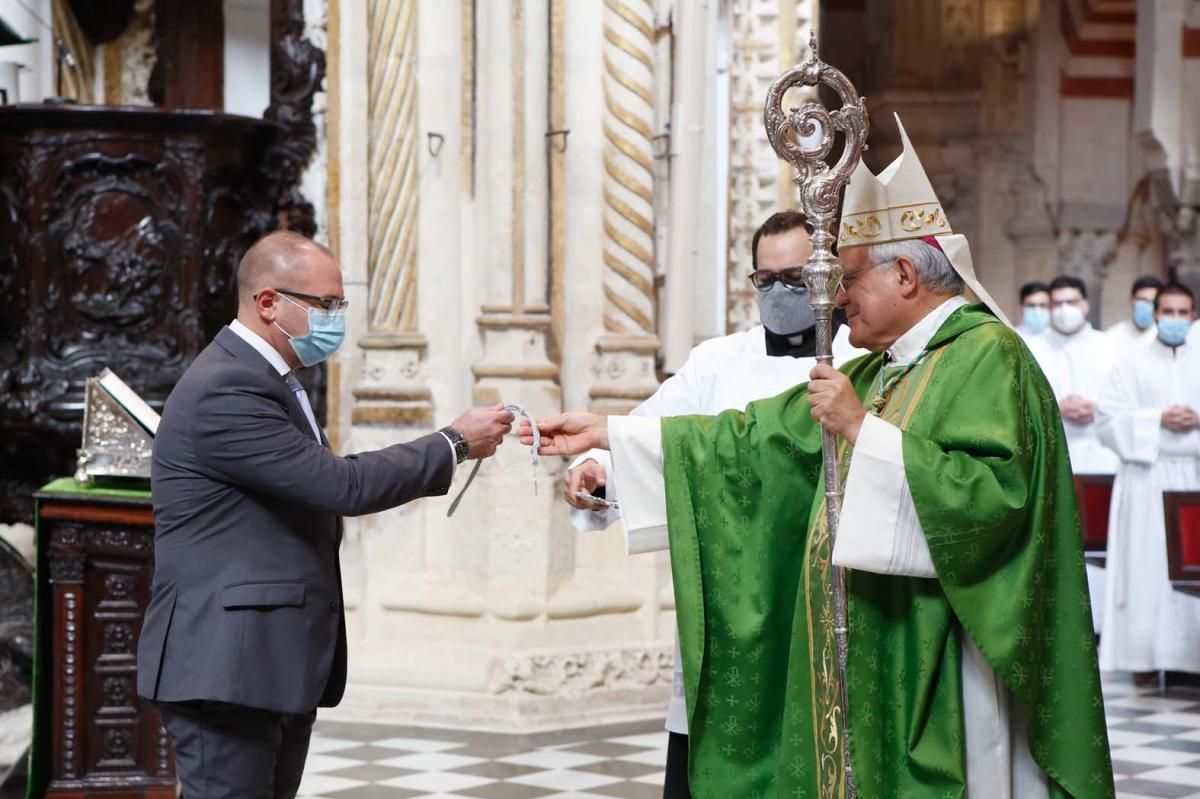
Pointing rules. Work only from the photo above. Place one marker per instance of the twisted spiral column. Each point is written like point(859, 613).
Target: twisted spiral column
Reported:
point(629, 167)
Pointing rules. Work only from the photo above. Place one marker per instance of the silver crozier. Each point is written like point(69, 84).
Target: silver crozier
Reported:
point(804, 136)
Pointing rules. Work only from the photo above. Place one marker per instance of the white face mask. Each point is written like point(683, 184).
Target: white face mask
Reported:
point(1067, 319)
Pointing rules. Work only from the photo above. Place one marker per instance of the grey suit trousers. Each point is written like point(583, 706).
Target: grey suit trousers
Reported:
point(225, 751)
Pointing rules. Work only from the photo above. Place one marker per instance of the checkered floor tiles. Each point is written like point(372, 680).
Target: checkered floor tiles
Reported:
point(1155, 738)
point(365, 761)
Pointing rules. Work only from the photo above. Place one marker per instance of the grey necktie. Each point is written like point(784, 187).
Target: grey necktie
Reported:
point(302, 398)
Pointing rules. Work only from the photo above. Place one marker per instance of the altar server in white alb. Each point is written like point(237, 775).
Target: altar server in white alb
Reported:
point(1034, 323)
point(1076, 358)
point(1148, 414)
point(720, 374)
point(1139, 327)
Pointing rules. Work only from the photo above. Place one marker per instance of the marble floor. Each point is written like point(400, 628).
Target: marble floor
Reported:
point(1155, 738)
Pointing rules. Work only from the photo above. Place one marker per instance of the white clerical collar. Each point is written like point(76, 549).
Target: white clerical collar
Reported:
point(261, 345)
point(912, 343)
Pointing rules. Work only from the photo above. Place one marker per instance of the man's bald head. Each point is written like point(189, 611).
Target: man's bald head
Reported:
point(282, 259)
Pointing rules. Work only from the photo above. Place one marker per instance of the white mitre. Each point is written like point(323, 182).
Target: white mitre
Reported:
point(899, 205)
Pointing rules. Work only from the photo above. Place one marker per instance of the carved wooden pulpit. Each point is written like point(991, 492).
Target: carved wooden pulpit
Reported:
point(1093, 495)
point(1181, 511)
point(121, 230)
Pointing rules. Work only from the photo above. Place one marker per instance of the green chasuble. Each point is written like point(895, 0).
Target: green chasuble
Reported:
point(990, 478)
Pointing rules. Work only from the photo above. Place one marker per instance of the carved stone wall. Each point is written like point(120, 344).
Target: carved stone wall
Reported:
point(502, 615)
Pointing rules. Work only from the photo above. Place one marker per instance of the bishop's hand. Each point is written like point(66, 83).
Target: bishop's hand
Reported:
point(834, 402)
point(568, 433)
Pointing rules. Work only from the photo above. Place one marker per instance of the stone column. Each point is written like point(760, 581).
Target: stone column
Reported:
point(391, 390)
point(624, 372)
point(769, 36)
point(1086, 254)
point(1031, 231)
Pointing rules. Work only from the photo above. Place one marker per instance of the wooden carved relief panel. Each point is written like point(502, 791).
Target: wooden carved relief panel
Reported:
point(121, 234)
point(101, 734)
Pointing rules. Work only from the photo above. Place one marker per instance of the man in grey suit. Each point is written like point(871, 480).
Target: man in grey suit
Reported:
point(245, 634)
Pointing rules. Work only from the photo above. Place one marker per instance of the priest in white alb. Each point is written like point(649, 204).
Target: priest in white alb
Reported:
point(1139, 327)
point(1148, 415)
point(1076, 358)
point(971, 668)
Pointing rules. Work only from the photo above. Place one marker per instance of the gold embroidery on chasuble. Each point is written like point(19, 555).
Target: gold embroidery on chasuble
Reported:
point(897, 407)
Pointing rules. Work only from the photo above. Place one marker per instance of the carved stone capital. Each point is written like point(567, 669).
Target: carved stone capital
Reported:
point(624, 373)
point(1086, 253)
point(391, 390)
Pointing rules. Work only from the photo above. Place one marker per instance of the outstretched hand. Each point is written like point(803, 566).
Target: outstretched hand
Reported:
point(484, 429)
point(568, 433)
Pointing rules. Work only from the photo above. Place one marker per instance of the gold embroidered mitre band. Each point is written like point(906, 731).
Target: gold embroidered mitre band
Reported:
point(900, 204)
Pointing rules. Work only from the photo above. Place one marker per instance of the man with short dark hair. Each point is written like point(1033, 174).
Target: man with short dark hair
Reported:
point(1035, 310)
point(245, 633)
point(1140, 324)
point(1148, 415)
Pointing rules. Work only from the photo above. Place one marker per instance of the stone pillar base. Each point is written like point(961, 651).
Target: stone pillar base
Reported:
point(391, 392)
point(503, 691)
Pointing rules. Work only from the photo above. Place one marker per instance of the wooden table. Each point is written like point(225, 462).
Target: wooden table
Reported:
point(93, 735)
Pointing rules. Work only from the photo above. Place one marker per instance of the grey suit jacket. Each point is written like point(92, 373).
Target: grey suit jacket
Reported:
point(246, 603)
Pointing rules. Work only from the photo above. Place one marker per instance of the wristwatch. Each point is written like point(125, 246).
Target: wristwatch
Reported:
point(461, 447)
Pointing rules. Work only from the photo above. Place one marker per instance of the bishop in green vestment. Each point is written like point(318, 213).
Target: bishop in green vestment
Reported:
point(972, 665)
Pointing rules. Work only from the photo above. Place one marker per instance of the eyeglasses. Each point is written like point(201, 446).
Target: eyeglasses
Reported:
point(791, 278)
point(848, 278)
point(332, 304)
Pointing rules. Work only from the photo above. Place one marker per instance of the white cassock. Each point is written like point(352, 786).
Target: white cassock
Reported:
point(725, 373)
point(1029, 337)
point(879, 532)
point(1148, 625)
point(1125, 334)
point(1079, 364)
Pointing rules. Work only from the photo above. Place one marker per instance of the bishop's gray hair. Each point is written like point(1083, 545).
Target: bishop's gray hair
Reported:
point(933, 267)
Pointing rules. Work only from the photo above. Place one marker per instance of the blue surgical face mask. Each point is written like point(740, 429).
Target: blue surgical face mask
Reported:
point(1173, 331)
point(326, 329)
point(1143, 314)
point(1035, 319)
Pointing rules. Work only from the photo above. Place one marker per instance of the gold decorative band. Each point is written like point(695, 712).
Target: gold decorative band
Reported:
point(894, 224)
